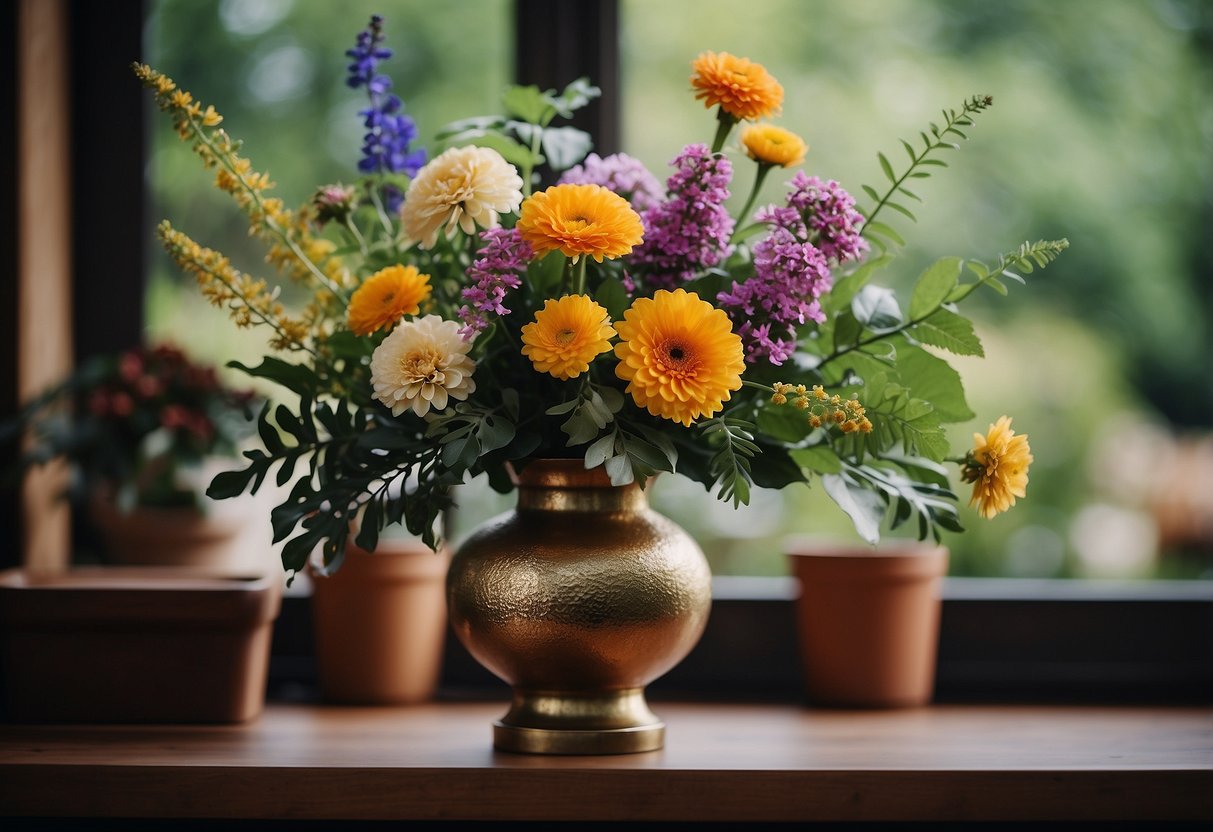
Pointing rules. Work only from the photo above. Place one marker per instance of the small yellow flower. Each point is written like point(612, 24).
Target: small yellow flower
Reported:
point(742, 88)
point(771, 145)
point(580, 220)
point(386, 297)
point(566, 336)
point(998, 468)
point(679, 356)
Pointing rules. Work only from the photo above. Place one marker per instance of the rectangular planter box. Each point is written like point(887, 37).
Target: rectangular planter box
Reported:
point(135, 644)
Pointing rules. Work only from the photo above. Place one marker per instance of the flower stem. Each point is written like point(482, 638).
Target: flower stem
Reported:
point(529, 169)
point(763, 169)
point(724, 126)
point(757, 386)
point(580, 283)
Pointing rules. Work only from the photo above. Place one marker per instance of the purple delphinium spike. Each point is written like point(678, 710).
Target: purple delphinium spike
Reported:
point(690, 230)
point(621, 173)
point(498, 267)
point(790, 274)
point(385, 146)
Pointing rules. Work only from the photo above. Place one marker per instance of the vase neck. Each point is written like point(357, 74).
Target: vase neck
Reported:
point(565, 486)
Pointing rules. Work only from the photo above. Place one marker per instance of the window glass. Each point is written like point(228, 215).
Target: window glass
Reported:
point(1102, 132)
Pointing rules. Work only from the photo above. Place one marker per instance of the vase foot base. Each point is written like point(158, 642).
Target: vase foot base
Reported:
point(564, 741)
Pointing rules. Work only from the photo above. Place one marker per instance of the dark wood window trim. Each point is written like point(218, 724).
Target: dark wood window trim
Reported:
point(1001, 640)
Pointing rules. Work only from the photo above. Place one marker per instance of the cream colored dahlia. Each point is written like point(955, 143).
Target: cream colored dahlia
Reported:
point(463, 187)
point(422, 364)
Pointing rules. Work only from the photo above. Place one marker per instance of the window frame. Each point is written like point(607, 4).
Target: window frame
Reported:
point(1001, 639)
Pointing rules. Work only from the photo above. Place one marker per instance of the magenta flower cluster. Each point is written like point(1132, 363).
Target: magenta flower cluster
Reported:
point(829, 212)
point(498, 267)
point(790, 274)
point(690, 230)
point(621, 173)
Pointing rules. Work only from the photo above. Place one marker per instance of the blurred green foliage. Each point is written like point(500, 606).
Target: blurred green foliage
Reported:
point(1101, 132)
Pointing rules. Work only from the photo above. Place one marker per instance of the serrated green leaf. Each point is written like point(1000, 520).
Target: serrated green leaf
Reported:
point(947, 330)
point(934, 285)
point(934, 380)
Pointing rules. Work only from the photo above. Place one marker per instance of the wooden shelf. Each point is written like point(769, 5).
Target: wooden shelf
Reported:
point(721, 763)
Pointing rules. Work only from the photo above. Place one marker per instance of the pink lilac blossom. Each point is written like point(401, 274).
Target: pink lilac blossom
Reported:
point(498, 267)
point(829, 212)
point(690, 231)
point(790, 274)
point(621, 173)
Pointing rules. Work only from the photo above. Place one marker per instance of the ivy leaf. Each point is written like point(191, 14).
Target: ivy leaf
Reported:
point(933, 286)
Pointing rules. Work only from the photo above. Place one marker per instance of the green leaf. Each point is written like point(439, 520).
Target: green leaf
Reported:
point(576, 95)
point(612, 296)
point(848, 285)
point(934, 380)
point(600, 451)
point(947, 330)
point(876, 308)
point(565, 146)
point(886, 167)
point(884, 231)
point(228, 484)
point(819, 458)
point(933, 286)
point(863, 507)
point(516, 154)
point(297, 378)
point(543, 276)
point(529, 103)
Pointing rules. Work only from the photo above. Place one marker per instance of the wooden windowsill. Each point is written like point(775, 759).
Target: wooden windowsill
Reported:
point(721, 762)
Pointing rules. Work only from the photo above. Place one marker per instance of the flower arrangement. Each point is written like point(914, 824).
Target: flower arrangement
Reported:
point(131, 426)
point(465, 319)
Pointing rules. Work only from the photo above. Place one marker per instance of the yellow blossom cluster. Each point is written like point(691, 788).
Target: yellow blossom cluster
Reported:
point(294, 249)
point(247, 300)
point(824, 409)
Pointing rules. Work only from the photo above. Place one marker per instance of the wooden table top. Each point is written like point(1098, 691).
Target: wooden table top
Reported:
point(721, 762)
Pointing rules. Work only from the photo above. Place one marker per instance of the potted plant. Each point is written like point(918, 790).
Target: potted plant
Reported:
point(142, 432)
point(569, 343)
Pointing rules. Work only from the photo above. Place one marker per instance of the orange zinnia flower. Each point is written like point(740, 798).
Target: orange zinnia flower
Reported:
point(742, 88)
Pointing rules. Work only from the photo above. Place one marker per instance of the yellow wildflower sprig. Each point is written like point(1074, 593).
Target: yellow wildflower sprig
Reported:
point(247, 300)
point(823, 409)
point(293, 247)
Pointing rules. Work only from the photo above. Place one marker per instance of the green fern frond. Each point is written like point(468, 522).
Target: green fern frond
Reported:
point(939, 138)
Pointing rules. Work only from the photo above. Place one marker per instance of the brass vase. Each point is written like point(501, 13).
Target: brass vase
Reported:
point(578, 599)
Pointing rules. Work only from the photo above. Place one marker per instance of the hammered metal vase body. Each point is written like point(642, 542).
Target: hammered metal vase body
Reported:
point(578, 599)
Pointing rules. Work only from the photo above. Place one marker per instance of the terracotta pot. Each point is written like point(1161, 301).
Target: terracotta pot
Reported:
point(135, 644)
point(380, 625)
point(868, 621)
point(578, 599)
point(229, 537)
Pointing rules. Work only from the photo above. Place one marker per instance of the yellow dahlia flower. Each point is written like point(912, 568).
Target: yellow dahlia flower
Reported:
point(998, 468)
point(580, 220)
point(771, 145)
point(566, 336)
point(742, 88)
point(464, 187)
point(386, 297)
point(679, 355)
point(422, 364)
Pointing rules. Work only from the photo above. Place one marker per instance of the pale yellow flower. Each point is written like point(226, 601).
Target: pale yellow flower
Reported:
point(464, 187)
point(421, 365)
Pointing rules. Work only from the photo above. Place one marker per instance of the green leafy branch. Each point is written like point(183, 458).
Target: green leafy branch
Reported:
point(870, 493)
point(729, 467)
point(631, 453)
point(940, 138)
